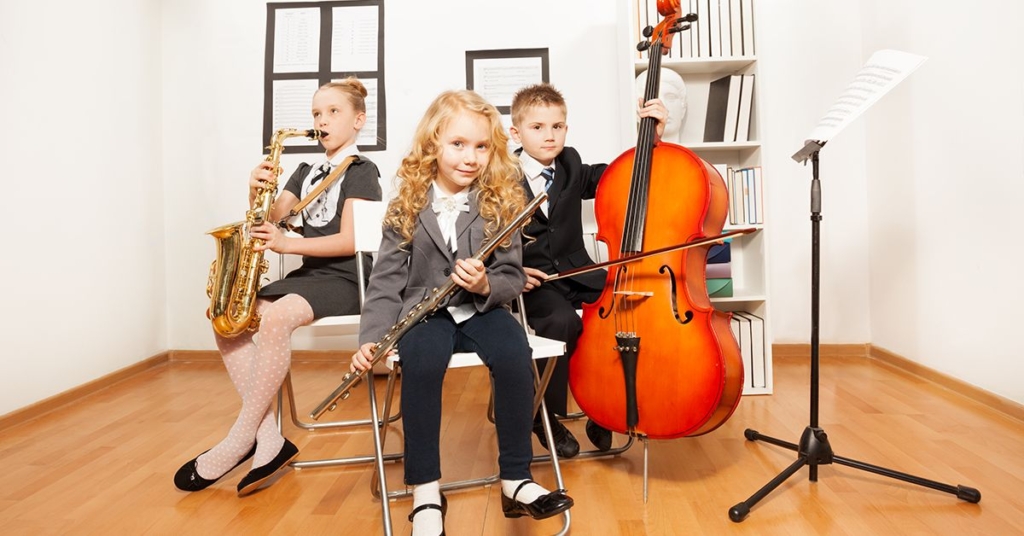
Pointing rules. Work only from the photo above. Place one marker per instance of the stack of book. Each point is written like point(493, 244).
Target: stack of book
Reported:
point(718, 272)
point(746, 194)
point(724, 28)
point(730, 100)
point(749, 332)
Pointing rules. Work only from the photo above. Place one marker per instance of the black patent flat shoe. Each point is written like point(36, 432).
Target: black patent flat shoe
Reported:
point(443, 507)
point(253, 479)
point(187, 478)
point(566, 444)
point(545, 506)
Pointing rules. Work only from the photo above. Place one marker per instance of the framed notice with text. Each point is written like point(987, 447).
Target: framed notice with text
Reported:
point(497, 74)
point(312, 43)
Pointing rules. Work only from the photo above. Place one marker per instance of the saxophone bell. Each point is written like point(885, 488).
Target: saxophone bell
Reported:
point(236, 274)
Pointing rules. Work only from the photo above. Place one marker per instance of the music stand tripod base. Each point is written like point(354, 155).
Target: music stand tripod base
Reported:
point(814, 448)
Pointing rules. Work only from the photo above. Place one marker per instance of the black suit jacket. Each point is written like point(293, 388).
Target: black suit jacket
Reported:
point(558, 244)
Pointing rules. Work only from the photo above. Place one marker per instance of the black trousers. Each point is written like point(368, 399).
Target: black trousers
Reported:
point(425, 351)
point(551, 312)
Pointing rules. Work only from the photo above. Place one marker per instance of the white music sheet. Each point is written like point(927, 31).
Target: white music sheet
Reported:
point(297, 40)
point(882, 72)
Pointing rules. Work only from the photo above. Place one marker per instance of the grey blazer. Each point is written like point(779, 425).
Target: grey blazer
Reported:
point(402, 278)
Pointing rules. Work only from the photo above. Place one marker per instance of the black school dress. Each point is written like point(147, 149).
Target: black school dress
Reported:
point(329, 284)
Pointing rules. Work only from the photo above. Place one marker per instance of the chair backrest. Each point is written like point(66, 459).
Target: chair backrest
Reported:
point(597, 250)
point(367, 217)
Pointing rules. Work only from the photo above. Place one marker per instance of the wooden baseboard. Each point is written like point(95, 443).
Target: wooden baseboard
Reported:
point(47, 405)
point(987, 398)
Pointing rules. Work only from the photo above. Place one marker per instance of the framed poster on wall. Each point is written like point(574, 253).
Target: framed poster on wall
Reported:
point(312, 43)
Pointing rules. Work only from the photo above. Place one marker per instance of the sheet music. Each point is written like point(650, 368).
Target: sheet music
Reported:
point(292, 108)
point(297, 40)
point(354, 39)
point(497, 79)
point(368, 134)
point(882, 72)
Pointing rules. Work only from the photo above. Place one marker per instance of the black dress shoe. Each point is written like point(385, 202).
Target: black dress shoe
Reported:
point(187, 478)
point(545, 506)
point(431, 506)
point(565, 443)
point(600, 436)
point(253, 479)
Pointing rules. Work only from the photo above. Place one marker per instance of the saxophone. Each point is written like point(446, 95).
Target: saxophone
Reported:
point(235, 275)
point(423, 309)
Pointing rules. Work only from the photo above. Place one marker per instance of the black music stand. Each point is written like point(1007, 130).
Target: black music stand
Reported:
point(814, 448)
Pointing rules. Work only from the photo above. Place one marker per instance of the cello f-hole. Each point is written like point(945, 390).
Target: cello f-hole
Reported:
point(675, 309)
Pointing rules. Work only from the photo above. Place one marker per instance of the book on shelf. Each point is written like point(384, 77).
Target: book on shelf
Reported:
point(738, 202)
point(694, 31)
point(726, 172)
point(715, 23)
point(718, 270)
point(747, 18)
point(719, 253)
point(736, 27)
point(725, 22)
point(757, 369)
point(719, 288)
point(703, 29)
point(741, 330)
point(746, 195)
point(723, 109)
point(743, 114)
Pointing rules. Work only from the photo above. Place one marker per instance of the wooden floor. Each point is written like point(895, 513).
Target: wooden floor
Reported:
point(104, 465)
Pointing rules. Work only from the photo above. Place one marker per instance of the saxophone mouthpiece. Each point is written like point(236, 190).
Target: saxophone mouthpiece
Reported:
point(313, 134)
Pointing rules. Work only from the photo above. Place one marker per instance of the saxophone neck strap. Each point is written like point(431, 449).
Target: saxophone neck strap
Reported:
point(324, 184)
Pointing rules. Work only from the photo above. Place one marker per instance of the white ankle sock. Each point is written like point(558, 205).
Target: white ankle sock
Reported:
point(427, 522)
point(530, 492)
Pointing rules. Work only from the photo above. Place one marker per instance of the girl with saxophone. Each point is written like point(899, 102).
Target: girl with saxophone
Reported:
point(458, 187)
point(325, 284)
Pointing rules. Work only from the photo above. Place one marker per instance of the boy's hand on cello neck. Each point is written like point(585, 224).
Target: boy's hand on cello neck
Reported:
point(656, 109)
point(471, 274)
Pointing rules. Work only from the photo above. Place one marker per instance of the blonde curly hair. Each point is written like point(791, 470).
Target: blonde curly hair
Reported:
point(500, 195)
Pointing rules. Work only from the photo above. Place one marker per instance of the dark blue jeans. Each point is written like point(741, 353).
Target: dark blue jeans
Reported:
point(425, 351)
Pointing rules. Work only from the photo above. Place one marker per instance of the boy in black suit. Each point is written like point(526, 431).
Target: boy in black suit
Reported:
point(539, 125)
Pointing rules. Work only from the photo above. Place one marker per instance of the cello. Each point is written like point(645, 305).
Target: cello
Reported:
point(655, 359)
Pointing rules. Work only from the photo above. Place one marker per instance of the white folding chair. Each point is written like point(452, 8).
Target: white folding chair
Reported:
point(541, 347)
point(367, 216)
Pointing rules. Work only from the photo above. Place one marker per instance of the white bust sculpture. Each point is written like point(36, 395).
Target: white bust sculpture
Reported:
point(673, 93)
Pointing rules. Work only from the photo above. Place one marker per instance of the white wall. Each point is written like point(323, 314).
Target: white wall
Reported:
point(918, 196)
point(807, 53)
point(946, 180)
point(83, 249)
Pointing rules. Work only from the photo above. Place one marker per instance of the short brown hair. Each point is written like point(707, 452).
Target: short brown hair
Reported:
point(543, 94)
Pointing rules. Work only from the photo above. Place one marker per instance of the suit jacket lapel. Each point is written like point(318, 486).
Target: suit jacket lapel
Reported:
point(525, 182)
point(466, 219)
point(432, 227)
point(556, 187)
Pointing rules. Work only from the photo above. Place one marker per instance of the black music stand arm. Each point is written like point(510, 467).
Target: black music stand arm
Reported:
point(814, 448)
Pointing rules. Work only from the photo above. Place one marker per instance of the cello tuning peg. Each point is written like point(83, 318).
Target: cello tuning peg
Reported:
point(643, 45)
point(648, 31)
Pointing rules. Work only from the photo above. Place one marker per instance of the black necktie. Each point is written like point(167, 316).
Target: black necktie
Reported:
point(325, 170)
